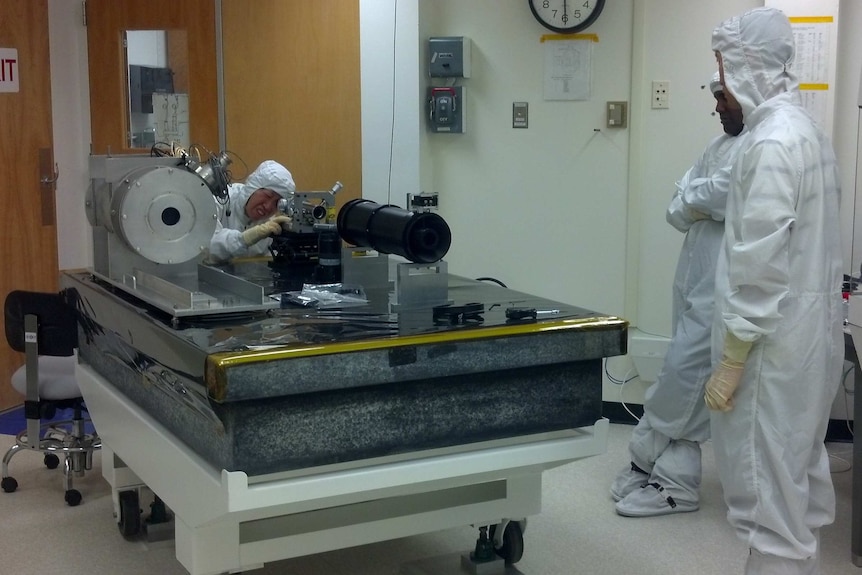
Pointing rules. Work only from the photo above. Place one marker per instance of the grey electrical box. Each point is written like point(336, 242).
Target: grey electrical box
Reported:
point(449, 57)
point(446, 109)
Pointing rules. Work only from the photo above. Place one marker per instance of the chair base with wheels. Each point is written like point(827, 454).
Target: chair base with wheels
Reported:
point(45, 329)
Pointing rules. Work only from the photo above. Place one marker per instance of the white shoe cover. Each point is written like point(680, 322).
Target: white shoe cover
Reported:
point(652, 500)
point(762, 564)
point(627, 481)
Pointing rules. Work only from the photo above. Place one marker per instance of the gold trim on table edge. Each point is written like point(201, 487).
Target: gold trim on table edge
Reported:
point(217, 364)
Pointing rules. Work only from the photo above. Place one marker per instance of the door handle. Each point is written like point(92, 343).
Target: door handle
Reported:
point(50, 180)
point(46, 188)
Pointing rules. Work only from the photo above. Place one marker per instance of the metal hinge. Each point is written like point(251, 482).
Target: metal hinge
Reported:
point(84, 12)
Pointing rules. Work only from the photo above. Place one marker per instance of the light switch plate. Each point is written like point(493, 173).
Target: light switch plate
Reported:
point(617, 114)
point(520, 114)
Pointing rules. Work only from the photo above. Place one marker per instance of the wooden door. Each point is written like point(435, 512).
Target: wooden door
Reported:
point(28, 235)
point(291, 82)
point(107, 20)
point(292, 89)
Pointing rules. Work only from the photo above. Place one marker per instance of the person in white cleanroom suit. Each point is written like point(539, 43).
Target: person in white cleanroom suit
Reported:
point(248, 220)
point(778, 340)
point(664, 476)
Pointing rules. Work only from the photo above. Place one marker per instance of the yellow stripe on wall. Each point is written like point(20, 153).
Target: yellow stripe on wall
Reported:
point(811, 19)
point(813, 86)
point(551, 37)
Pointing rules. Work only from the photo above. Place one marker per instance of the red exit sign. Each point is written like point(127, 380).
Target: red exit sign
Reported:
point(9, 70)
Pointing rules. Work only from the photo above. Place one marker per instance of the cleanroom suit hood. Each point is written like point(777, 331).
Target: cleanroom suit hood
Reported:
point(232, 220)
point(756, 49)
point(269, 175)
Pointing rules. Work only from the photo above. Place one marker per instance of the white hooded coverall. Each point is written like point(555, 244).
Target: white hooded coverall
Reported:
point(232, 220)
point(778, 285)
point(666, 441)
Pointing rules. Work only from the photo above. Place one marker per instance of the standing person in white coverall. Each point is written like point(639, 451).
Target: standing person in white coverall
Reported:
point(248, 220)
point(665, 471)
point(778, 339)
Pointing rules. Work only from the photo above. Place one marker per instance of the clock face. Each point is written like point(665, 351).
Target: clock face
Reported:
point(566, 16)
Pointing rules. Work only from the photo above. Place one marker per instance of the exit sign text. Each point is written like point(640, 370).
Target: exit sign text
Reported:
point(8, 70)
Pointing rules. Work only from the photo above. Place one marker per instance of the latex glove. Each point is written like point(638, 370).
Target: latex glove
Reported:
point(722, 385)
point(271, 227)
point(726, 377)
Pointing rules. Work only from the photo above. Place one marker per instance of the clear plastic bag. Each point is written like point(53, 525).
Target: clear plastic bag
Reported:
point(326, 296)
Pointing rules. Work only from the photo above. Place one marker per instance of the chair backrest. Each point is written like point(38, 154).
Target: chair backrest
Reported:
point(57, 327)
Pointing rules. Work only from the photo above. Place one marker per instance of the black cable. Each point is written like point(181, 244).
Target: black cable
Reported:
point(613, 379)
point(493, 280)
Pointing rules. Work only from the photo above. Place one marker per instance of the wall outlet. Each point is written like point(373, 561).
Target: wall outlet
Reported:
point(660, 95)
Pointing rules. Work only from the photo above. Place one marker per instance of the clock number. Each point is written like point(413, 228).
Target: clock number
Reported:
point(577, 14)
point(546, 4)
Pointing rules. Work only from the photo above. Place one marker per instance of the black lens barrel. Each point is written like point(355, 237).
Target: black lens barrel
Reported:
point(421, 237)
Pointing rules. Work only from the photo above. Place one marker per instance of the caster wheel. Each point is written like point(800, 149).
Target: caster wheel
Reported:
point(73, 497)
point(129, 521)
point(9, 484)
point(51, 461)
point(512, 548)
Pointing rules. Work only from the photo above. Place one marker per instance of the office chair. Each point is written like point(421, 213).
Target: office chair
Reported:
point(45, 328)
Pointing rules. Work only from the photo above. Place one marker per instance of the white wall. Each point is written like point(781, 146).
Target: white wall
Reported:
point(669, 141)
point(543, 208)
point(147, 48)
point(846, 127)
point(390, 119)
point(557, 209)
point(70, 96)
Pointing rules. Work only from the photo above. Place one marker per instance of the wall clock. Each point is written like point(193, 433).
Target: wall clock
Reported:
point(566, 16)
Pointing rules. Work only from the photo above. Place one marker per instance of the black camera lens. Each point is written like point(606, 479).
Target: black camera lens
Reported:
point(421, 237)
